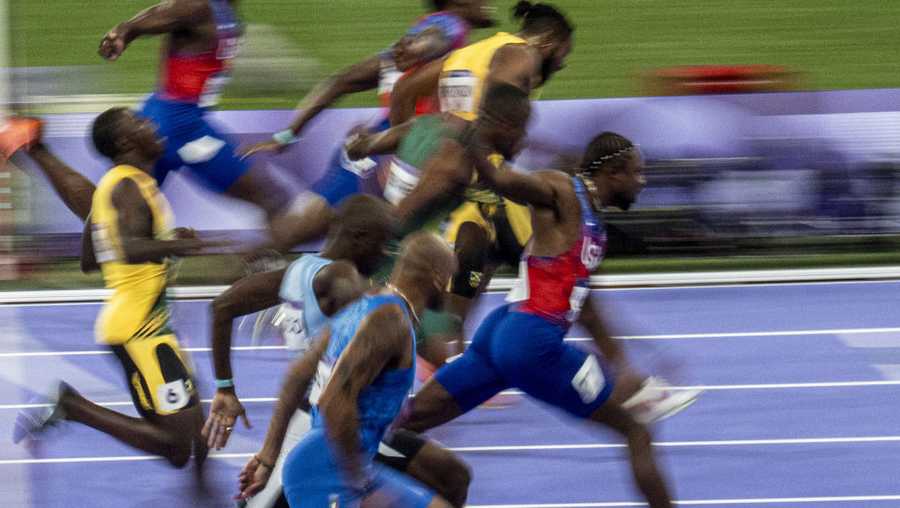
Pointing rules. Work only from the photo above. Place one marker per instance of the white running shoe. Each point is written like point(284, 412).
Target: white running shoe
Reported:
point(656, 400)
point(32, 421)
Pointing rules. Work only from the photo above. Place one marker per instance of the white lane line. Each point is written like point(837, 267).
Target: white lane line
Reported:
point(677, 336)
point(622, 282)
point(686, 444)
point(769, 386)
point(516, 448)
point(705, 502)
point(97, 352)
point(248, 400)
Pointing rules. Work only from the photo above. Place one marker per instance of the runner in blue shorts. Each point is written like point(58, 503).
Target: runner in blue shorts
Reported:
point(431, 37)
point(358, 376)
point(521, 344)
point(200, 41)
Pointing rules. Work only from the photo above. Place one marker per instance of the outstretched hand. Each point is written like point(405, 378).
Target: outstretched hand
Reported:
point(223, 414)
point(113, 44)
point(253, 478)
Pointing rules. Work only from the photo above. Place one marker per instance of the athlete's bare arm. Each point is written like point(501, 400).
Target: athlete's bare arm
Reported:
point(88, 258)
point(444, 176)
point(422, 83)
point(250, 294)
point(357, 78)
point(367, 144)
point(136, 229)
point(293, 391)
point(593, 322)
point(515, 64)
point(537, 189)
point(162, 18)
point(73, 188)
point(382, 342)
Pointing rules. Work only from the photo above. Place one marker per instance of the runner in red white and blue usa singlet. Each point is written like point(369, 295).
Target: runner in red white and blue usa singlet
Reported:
point(198, 77)
point(557, 286)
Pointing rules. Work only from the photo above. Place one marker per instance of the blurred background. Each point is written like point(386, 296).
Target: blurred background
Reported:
point(771, 129)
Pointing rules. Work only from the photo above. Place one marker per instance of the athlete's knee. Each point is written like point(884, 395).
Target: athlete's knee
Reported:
point(179, 448)
point(456, 476)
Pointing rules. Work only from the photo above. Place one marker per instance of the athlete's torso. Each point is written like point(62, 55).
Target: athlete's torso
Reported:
point(138, 306)
point(300, 318)
point(378, 403)
point(557, 286)
point(461, 87)
point(198, 77)
point(464, 73)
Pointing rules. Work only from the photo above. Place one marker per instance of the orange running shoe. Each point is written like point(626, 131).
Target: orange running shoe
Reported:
point(18, 133)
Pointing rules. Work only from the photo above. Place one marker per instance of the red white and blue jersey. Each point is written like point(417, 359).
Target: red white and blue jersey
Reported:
point(555, 286)
point(199, 77)
point(454, 29)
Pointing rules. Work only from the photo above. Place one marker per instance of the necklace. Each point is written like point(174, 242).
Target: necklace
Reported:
point(412, 310)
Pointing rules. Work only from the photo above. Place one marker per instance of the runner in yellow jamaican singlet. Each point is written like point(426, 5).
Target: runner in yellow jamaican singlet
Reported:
point(129, 235)
point(486, 229)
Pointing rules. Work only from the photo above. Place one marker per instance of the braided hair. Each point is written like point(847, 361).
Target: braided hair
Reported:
point(606, 149)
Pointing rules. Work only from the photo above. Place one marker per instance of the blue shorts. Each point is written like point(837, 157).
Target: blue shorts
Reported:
point(313, 479)
point(516, 349)
point(344, 178)
point(192, 142)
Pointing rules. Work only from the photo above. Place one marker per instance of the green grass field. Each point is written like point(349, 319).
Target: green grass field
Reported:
point(832, 43)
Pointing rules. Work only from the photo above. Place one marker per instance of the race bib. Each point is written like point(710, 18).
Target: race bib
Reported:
point(172, 396)
point(456, 92)
point(289, 320)
point(362, 167)
point(401, 181)
point(103, 250)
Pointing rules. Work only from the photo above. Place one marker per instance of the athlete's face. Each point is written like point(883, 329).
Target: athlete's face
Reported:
point(626, 182)
point(141, 133)
point(371, 250)
point(555, 58)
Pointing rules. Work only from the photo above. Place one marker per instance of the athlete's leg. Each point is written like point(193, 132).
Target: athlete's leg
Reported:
point(73, 188)
point(170, 436)
point(640, 450)
point(536, 359)
point(426, 461)
point(460, 385)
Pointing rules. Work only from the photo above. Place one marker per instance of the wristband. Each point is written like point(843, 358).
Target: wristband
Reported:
point(285, 137)
point(225, 383)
